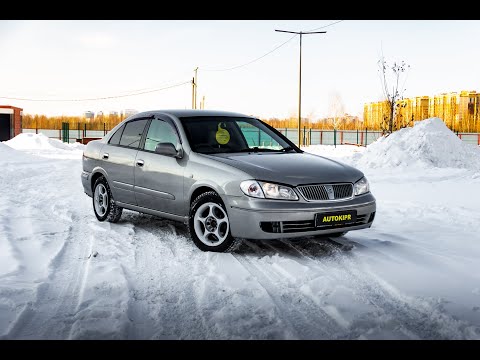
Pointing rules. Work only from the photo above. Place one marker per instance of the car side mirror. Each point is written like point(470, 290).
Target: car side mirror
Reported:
point(169, 149)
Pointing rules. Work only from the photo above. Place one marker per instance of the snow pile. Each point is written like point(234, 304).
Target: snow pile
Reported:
point(43, 146)
point(40, 142)
point(428, 144)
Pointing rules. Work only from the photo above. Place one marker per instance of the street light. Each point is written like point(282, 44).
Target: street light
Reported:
point(300, 74)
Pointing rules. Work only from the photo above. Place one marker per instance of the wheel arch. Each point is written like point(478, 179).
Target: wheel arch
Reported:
point(200, 190)
point(96, 173)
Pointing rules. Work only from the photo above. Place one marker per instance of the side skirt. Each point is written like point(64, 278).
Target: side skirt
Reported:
point(183, 219)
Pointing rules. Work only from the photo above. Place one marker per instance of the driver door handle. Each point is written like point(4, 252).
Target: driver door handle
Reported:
point(105, 156)
point(140, 163)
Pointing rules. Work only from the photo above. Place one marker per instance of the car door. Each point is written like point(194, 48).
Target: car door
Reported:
point(159, 178)
point(119, 156)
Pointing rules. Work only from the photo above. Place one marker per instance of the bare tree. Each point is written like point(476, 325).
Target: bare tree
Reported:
point(391, 76)
point(336, 108)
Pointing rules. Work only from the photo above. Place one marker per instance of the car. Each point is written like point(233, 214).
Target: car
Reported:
point(226, 176)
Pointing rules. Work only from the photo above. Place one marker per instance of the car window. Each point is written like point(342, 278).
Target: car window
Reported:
point(160, 132)
point(224, 134)
point(133, 133)
point(256, 137)
point(115, 139)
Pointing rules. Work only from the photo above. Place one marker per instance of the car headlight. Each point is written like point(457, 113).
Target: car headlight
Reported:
point(361, 187)
point(252, 188)
point(267, 190)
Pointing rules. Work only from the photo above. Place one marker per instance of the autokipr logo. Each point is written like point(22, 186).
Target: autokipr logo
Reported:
point(337, 218)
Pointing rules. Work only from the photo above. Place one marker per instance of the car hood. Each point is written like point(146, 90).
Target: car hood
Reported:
point(291, 168)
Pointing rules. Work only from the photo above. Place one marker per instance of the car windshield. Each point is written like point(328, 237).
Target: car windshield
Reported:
point(226, 134)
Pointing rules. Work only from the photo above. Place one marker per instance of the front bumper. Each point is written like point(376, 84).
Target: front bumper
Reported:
point(270, 219)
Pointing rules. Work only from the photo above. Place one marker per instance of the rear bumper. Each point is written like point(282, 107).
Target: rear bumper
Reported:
point(267, 219)
point(86, 183)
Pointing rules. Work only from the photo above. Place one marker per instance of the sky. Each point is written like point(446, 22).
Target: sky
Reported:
point(65, 60)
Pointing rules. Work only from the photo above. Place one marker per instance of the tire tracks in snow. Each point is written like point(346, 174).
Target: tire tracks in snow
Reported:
point(407, 316)
point(53, 312)
point(306, 318)
point(179, 292)
point(56, 230)
point(163, 291)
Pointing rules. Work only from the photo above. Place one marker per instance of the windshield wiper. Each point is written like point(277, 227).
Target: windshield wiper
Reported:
point(288, 148)
point(257, 149)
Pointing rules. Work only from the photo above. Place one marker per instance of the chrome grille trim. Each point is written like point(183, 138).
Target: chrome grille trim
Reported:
point(317, 192)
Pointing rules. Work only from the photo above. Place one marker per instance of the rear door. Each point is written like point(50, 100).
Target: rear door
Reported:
point(159, 178)
point(119, 159)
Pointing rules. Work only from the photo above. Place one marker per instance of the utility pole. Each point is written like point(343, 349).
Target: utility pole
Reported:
point(193, 93)
point(195, 82)
point(300, 76)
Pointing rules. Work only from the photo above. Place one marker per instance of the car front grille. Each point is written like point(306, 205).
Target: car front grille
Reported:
point(320, 192)
point(309, 225)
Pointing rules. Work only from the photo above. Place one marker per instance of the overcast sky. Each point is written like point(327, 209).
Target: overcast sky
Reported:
point(90, 59)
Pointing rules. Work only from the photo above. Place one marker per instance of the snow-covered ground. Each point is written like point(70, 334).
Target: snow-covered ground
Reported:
point(414, 275)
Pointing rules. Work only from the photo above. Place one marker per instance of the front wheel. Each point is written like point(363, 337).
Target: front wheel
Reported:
point(209, 225)
point(103, 203)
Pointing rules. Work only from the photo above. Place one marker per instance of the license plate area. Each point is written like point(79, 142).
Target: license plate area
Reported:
point(335, 218)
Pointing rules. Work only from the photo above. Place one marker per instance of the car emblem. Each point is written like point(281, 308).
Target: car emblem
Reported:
point(330, 193)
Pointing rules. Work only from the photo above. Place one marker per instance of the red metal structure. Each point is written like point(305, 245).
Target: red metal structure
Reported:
point(10, 122)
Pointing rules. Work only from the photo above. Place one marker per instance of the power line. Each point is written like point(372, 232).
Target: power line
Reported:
point(252, 61)
point(168, 87)
point(99, 98)
point(323, 27)
point(269, 52)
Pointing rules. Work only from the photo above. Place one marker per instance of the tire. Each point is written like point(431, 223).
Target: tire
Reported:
point(209, 226)
point(104, 205)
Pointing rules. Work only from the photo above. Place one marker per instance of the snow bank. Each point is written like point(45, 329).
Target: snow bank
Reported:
point(41, 145)
point(427, 144)
point(40, 142)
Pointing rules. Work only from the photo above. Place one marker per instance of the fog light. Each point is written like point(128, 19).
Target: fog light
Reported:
point(271, 226)
point(372, 216)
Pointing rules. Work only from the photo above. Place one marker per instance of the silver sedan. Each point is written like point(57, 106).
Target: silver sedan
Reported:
point(227, 176)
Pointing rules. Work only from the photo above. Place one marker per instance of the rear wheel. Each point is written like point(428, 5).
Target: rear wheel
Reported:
point(103, 203)
point(209, 225)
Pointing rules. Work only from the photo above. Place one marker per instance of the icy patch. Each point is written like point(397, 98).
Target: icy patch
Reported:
point(428, 144)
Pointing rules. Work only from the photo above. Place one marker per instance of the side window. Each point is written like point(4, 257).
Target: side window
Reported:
point(133, 133)
point(115, 139)
point(160, 132)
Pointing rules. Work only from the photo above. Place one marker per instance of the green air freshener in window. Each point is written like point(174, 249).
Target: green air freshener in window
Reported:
point(222, 135)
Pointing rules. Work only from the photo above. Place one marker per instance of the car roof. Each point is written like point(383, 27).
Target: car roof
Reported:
point(190, 113)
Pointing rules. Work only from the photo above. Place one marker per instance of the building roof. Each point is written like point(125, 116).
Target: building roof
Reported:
point(10, 107)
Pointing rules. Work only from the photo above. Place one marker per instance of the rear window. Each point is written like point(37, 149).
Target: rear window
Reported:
point(133, 133)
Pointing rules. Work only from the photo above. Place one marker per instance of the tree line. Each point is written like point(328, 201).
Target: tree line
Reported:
point(36, 121)
point(75, 122)
point(345, 122)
